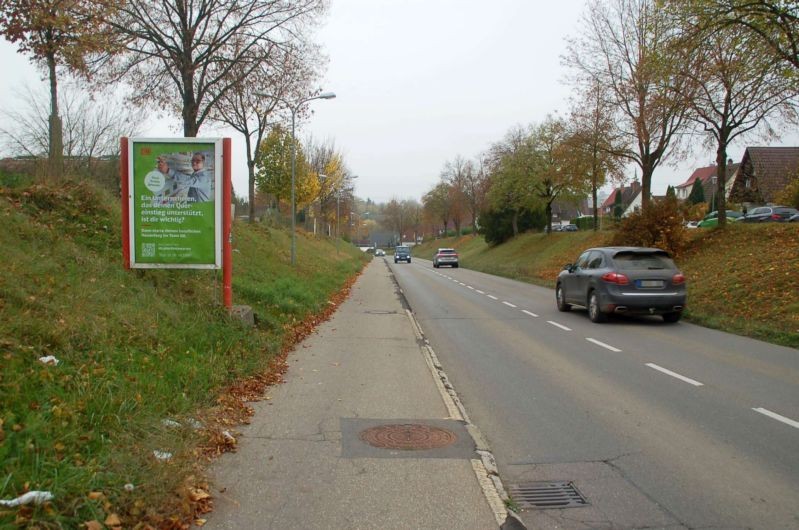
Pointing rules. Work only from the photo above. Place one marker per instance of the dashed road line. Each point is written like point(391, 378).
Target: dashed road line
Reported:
point(470, 287)
point(675, 375)
point(775, 416)
point(606, 346)
point(561, 326)
point(479, 291)
point(526, 312)
point(508, 304)
point(491, 296)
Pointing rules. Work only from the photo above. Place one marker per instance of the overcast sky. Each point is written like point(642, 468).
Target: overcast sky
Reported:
point(421, 81)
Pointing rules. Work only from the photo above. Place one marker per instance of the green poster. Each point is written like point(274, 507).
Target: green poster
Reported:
point(175, 190)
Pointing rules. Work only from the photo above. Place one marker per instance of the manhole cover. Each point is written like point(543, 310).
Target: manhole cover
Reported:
point(407, 437)
point(547, 495)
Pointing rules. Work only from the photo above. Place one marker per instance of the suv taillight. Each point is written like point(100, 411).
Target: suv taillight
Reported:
point(776, 216)
point(678, 279)
point(615, 277)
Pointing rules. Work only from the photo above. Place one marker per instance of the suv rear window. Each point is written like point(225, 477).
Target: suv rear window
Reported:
point(628, 260)
point(446, 251)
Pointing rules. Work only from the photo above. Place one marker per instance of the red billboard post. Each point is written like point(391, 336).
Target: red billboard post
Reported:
point(227, 224)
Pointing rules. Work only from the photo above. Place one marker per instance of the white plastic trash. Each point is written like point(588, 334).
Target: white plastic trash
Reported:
point(35, 497)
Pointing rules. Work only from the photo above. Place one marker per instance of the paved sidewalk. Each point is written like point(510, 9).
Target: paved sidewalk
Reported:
point(301, 463)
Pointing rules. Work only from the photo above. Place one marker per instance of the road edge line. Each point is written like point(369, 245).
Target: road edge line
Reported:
point(485, 469)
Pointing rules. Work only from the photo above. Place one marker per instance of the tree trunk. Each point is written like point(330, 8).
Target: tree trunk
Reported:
point(190, 108)
point(55, 132)
point(647, 170)
point(721, 174)
point(514, 221)
point(251, 190)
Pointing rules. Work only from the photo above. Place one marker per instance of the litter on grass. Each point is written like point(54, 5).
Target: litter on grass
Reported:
point(162, 455)
point(35, 497)
point(49, 360)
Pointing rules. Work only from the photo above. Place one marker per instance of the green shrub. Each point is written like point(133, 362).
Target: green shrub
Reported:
point(584, 223)
point(660, 225)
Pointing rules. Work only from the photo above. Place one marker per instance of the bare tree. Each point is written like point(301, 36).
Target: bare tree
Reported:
point(774, 23)
point(593, 138)
point(56, 33)
point(468, 183)
point(184, 55)
point(92, 125)
point(741, 85)
point(626, 48)
point(284, 72)
point(436, 204)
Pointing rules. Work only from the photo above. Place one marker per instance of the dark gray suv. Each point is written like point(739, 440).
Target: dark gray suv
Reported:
point(402, 253)
point(634, 280)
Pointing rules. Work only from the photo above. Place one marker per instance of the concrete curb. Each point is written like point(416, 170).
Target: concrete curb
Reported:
point(485, 469)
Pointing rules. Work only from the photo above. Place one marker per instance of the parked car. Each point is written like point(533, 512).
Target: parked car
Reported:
point(794, 218)
point(445, 256)
point(712, 219)
point(569, 228)
point(380, 252)
point(402, 253)
point(764, 214)
point(691, 224)
point(631, 280)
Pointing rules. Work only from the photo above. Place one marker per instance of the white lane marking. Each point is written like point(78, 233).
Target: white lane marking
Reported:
point(606, 346)
point(491, 296)
point(777, 417)
point(461, 283)
point(526, 312)
point(561, 326)
point(479, 291)
point(470, 287)
point(508, 304)
point(675, 374)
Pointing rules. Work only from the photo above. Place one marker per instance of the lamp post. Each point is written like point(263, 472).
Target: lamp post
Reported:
point(294, 108)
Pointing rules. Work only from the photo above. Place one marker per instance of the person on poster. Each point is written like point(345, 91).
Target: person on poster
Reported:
point(175, 182)
point(200, 184)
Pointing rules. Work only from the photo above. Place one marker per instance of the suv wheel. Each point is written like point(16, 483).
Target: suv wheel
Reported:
point(594, 313)
point(561, 300)
point(671, 317)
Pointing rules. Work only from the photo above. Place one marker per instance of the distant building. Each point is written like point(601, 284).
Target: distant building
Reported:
point(763, 173)
point(627, 195)
point(707, 177)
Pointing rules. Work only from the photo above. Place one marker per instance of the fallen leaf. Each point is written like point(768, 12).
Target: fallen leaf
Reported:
point(113, 520)
point(93, 525)
point(95, 495)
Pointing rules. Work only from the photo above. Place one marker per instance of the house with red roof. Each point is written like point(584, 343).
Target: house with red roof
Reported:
point(707, 177)
point(626, 193)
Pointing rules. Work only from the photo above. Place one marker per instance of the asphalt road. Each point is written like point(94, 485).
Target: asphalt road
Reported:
point(658, 425)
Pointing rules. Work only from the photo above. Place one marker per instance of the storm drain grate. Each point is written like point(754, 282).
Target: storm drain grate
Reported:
point(547, 495)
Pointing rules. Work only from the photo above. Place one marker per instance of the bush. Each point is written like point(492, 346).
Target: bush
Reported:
point(585, 222)
point(790, 195)
point(497, 224)
point(660, 226)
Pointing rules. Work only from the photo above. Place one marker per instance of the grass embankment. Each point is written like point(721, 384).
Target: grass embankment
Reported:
point(135, 348)
point(744, 279)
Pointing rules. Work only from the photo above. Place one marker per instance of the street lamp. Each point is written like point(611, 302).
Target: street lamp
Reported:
point(294, 108)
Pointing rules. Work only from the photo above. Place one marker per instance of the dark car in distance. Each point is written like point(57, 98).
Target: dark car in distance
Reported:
point(765, 214)
point(402, 253)
point(629, 280)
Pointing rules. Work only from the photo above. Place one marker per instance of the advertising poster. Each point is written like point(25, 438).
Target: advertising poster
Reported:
point(175, 203)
